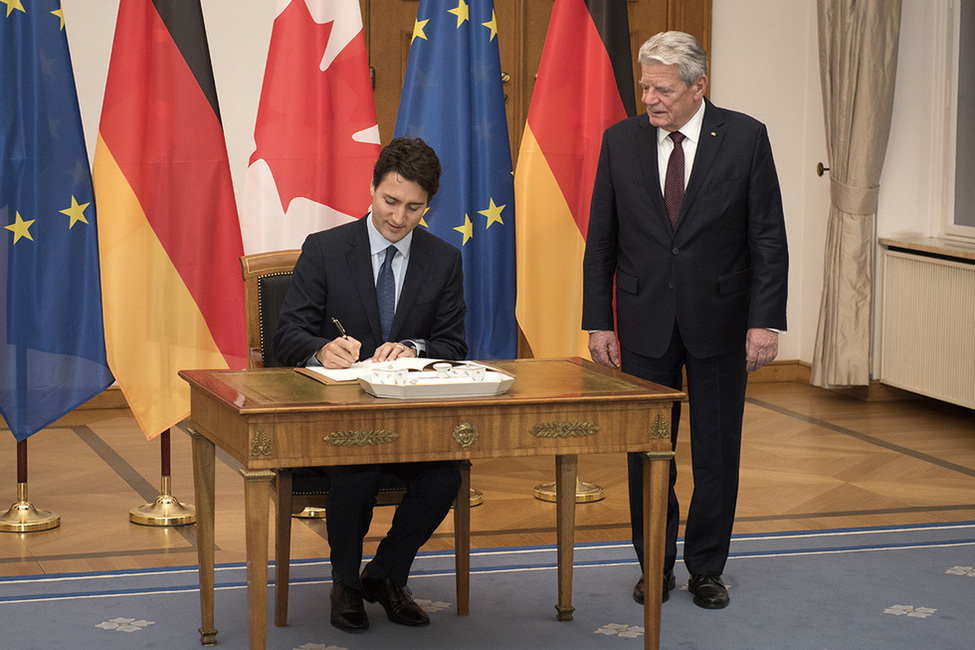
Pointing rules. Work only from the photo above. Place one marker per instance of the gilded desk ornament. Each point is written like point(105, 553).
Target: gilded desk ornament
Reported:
point(255, 474)
point(564, 612)
point(465, 434)
point(260, 444)
point(658, 455)
point(564, 429)
point(361, 437)
point(660, 428)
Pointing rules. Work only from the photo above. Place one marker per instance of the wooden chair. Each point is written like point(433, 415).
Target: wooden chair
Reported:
point(267, 277)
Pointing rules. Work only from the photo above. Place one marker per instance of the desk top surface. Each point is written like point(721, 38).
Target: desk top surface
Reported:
point(256, 391)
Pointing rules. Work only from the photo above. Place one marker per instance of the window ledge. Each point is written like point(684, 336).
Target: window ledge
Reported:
point(933, 246)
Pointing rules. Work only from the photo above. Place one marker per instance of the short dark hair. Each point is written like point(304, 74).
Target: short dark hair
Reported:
point(411, 158)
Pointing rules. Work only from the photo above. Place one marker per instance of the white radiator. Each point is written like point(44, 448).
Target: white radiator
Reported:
point(927, 326)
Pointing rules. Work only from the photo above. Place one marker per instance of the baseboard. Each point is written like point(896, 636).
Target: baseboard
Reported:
point(877, 392)
point(801, 370)
point(780, 371)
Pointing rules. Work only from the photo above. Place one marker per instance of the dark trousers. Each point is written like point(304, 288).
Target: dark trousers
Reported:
point(716, 395)
point(430, 490)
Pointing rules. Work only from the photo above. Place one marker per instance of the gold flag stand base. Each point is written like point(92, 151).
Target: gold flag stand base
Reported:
point(585, 492)
point(23, 517)
point(312, 512)
point(166, 510)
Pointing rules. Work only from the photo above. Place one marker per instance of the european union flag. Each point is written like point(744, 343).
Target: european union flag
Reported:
point(52, 343)
point(452, 99)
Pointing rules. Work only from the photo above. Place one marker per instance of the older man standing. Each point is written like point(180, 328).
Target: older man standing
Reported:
point(686, 230)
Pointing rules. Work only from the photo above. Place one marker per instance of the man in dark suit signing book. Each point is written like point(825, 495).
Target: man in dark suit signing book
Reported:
point(686, 257)
point(379, 288)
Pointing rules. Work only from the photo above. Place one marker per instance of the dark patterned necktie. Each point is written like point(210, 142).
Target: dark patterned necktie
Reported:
point(386, 293)
point(674, 181)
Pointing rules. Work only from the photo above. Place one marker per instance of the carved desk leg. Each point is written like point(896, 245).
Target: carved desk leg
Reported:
point(203, 488)
point(462, 554)
point(656, 470)
point(566, 467)
point(282, 546)
point(257, 497)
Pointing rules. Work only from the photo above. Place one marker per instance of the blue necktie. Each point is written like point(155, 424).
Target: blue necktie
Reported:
point(386, 293)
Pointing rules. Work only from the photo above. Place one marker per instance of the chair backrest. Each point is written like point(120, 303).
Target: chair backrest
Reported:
point(267, 277)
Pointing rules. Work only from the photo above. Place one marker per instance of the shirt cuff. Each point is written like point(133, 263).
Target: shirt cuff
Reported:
point(419, 346)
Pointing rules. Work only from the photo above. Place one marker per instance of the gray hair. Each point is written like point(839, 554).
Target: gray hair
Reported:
point(680, 48)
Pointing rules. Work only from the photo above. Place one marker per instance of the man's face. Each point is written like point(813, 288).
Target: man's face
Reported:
point(397, 206)
point(670, 103)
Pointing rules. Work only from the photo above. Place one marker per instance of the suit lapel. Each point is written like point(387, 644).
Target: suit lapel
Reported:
point(707, 151)
point(647, 152)
point(416, 274)
point(359, 260)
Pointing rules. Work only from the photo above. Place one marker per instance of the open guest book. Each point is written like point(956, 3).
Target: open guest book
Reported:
point(413, 377)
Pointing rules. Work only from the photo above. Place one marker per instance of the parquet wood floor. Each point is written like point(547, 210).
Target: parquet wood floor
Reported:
point(811, 459)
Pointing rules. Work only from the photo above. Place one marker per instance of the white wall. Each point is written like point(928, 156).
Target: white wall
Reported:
point(769, 68)
point(764, 62)
point(913, 191)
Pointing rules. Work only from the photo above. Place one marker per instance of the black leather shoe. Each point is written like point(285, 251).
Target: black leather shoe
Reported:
point(709, 592)
point(670, 583)
point(396, 600)
point(347, 611)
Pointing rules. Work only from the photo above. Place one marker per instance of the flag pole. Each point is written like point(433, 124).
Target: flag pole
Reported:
point(166, 510)
point(22, 517)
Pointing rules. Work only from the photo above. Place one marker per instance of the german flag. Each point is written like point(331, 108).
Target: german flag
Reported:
point(584, 85)
point(169, 237)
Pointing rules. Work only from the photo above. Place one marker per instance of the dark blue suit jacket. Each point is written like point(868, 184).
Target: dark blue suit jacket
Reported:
point(333, 279)
point(723, 270)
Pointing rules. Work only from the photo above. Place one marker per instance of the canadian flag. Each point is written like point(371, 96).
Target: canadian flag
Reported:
point(316, 138)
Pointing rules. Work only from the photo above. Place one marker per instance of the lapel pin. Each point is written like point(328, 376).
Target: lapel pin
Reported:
point(713, 133)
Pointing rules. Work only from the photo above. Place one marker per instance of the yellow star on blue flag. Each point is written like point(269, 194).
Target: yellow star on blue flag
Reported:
point(453, 99)
point(52, 341)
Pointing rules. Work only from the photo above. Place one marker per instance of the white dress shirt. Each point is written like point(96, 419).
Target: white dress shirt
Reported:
point(692, 136)
point(377, 248)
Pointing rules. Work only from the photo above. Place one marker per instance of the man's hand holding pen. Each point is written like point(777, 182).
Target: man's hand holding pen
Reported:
point(340, 352)
point(343, 352)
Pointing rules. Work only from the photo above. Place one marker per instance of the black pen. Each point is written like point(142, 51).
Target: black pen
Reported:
point(341, 330)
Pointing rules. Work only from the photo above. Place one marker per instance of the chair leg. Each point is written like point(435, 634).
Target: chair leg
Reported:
point(282, 547)
point(462, 540)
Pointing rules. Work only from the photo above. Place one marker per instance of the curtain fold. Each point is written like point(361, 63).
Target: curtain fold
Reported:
point(858, 65)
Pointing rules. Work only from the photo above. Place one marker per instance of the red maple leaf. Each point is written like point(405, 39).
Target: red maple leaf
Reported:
point(308, 118)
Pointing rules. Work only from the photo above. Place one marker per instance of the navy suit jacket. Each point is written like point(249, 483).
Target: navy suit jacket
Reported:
point(725, 267)
point(333, 279)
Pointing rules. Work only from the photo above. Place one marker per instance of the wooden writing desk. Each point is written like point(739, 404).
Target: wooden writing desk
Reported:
point(277, 418)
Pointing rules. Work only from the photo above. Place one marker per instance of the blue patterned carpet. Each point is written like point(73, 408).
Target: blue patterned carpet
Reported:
point(887, 588)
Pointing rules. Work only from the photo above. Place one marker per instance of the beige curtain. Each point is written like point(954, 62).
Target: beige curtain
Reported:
point(858, 63)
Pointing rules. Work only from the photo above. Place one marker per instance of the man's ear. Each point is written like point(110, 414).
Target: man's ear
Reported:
point(701, 86)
